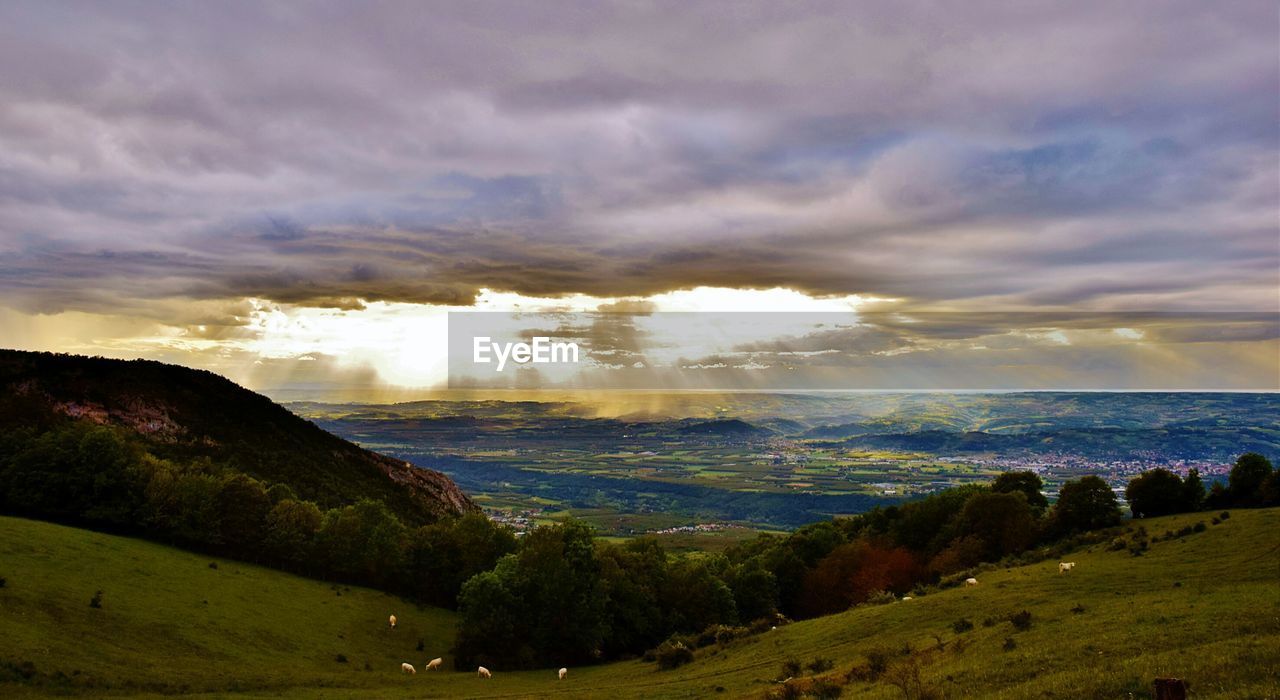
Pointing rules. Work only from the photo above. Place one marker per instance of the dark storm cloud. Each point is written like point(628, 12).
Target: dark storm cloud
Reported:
point(1072, 155)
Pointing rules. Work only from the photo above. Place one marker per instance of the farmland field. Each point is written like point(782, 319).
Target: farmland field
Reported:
point(640, 463)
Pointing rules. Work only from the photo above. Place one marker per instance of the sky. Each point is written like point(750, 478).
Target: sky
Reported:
point(296, 194)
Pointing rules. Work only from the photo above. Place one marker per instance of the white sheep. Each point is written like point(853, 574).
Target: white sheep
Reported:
point(563, 672)
point(1065, 566)
point(409, 669)
point(483, 672)
point(434, 663)
point(392, 620)
point(971, 582)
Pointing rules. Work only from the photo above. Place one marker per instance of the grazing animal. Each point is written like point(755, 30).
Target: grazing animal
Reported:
point(971, 582)
point(392, 620)
point(409, 669)
point(906, 597)
point(563, 672)
point(1065, 566)
point(483, 672)
point(434, 663)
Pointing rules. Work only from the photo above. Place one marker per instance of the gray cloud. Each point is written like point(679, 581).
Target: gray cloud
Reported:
point(1083, 155)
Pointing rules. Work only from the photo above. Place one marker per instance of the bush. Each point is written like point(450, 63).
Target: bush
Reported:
point(340, 658)
point(1199, 527)
point(672, 655)
point(825, 689)
point(96, 600)
point(1021, 621)
point(3, 582)
point(790, 668)
point(877, 662)
point(1009, 644)
point(1224, 515)
point(1078, 609)
point(820, 665)
point(880, 598)
point(961, 626)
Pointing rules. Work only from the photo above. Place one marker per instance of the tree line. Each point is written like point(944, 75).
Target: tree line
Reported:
point(557, 595)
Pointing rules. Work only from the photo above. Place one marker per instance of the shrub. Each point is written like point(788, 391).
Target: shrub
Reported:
point(1224, 515)
point(1021, 621)
point(340, 658)
point(3, 582)
point(790, 668)
point(422, 645)
point(727, 634)
point(877, 662)
point(1078, 609)
point(820, 665)
point(880, 598)
point(1199, 527)
point(213, 565)
point(18, 671)
point(1009, 644)
point(989, 621)
point(96, 600)
point(825, 689)
point(672, 655)
point(961, 626)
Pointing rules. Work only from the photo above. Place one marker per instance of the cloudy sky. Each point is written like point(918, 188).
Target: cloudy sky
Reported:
point(294, 194)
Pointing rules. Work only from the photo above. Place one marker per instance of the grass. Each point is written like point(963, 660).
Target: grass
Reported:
point(1204, 607)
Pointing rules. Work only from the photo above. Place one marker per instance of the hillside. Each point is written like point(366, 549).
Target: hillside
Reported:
point(186, 414)
point(1204, 606)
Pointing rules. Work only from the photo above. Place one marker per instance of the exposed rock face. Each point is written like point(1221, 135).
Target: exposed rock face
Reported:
point(182, 413)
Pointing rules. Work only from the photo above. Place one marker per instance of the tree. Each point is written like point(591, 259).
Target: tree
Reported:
point(1004, 521)
point(1247, 477)
point(1192, 492)
point(291, 532)
point(364, 543)
point(1026, 483)
point(929, 524)
point(852, 572)
point(694, 598)
point(634, 576)
point(1085, 504)
point(443, 555)
point(543, 605)
point(755, 591)
point(1155, 492)
point(242, 505)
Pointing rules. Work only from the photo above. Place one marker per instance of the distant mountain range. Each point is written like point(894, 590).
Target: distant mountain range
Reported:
point(190, 414)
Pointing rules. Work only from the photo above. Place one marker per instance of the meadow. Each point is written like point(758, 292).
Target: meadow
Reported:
point(1204, 606)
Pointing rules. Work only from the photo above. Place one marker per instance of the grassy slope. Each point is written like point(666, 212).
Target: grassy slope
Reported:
point(271, 634)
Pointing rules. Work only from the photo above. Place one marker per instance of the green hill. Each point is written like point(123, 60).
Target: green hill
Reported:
point(186, 414)
point(1204, 606)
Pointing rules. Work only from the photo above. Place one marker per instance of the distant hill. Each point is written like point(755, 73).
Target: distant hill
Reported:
point(731, 427)
point(184, 413)
point(1178, 441)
